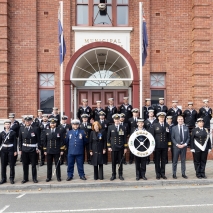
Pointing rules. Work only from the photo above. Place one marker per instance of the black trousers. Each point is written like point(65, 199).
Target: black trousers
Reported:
point(160, 160)
point(116, 157)
point(50, 158)
point(87, 153)
point(27, 158)
point(42, 154)
point(98, 172)
point(140, 166)
point(5, 158)
point(200, 159)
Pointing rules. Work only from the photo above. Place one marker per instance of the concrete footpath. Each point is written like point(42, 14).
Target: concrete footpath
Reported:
point(129, 175)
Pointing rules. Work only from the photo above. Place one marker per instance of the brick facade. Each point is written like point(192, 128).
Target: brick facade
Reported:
point(180, 41)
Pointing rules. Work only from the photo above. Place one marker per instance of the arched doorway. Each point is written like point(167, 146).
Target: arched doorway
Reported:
point(99, 70)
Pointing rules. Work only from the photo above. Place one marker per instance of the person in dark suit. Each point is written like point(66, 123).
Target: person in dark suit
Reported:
point(29, 145)
point(8, 148)
point(75, 142)
point(205, 113)
point(146, 108)
point(174, 112)
point(162, 137)
point(97, 110)
point(140, 162)
point(53, 148)
point(84, 109)
point(87, 128)
point(160, 107)
point(200, 146)
point(110, 111)
point(132, 126)
point(117, 145)
point(104, 127)
point(38, 120)
point(56, 115)
point(148, 125)
point(97, 146)
point(126, 126)
point(126, 109)
point(180, 139)
point(64, 127)
point(45, 125)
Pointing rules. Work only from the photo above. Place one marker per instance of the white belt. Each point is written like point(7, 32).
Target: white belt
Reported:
point(7, 145)
point(30, 145)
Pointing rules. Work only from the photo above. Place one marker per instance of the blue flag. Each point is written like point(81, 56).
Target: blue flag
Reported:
point(61, 43)
point(145, 43)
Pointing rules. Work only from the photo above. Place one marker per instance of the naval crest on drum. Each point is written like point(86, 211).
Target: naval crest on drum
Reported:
point(144, 139)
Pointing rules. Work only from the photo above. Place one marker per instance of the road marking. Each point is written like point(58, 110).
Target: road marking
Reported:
point(118, 209)
point(21, 195)
point(2, 210)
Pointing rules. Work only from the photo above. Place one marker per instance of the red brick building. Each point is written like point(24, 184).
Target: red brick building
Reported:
point(179, 53)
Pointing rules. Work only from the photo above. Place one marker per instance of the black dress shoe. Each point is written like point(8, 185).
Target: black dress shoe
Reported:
point(89, 162)
point(174, 176)
point(158, 177)
point(130, 162)
point(144, 178)
point(106, 163)
point(42, 163)
point(137, 178)
point(199, 177)
point(164, 177)
point(35, 181)
point(48, 179)
point(125, 163)
point(204, 176)
point(59, 179)
point(3, 181)
point(24, 181)
point(12, 181)
point(121, 177)
point(82, 178)
point(62, 162)
point(184, 176)
point(69, 178)
point(112, 178)
point(147, 162)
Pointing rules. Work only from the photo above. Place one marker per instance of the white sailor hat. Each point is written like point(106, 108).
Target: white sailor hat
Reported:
point(84, 100)
point(140, 120)
point(190, 103)
point(55, 108)
point(125, 98)
point(161, 114)
point(28, 118)
point(7, 121)
point(151, 110)
point(52, 120)
point(45, 115)
point(206, 100)
point(148, 99)
point(11, 115)
point(110, 99)
point(40, 110)
point(169, 117)
point(98, 101)
point(84, 116)
point(75, 121)
point(122, 115)
point(200, 119)
point(116, 116)
point(135, 110)
point(161, 98)
point(174, 101)
point(64, 117)
point(101, 113)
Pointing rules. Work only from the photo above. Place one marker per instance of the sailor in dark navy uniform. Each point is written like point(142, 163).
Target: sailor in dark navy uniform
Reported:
point(29, 144)
point(75, 142)
point(87, 128)
point(110, 111)
point(117, 145)
point(53, 148)
point(200, 146)
point(55, 115)
point(160, 107)
point(174, 112)
point(45, 125)
point(205, 112)
point(146, 108)
point(97, 110)
point(84, 109)
point(8, 148)
point(126, 109)
point(132, 127)
point(38, 120)
point(65, 128)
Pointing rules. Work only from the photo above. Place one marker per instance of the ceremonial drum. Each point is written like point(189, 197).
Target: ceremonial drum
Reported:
point(141, 139)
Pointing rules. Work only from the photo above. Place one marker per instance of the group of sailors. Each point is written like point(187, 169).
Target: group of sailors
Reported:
point(98, 132)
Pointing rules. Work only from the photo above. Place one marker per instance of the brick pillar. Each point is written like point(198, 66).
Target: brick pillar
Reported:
point(4, 48)
point(201, 55)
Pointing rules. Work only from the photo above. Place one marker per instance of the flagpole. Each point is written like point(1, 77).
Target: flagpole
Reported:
point(61, 65)
point(141, 55)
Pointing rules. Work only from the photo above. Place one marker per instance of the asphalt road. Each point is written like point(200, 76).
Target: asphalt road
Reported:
point(132, 199)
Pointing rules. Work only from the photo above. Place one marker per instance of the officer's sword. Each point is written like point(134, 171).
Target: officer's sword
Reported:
point(57, 165)
point(121, 160)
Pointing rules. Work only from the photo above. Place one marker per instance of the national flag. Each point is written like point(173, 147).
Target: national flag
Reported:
point(145, 42)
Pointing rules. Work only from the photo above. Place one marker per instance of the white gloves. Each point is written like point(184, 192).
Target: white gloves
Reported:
point(192, 150)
